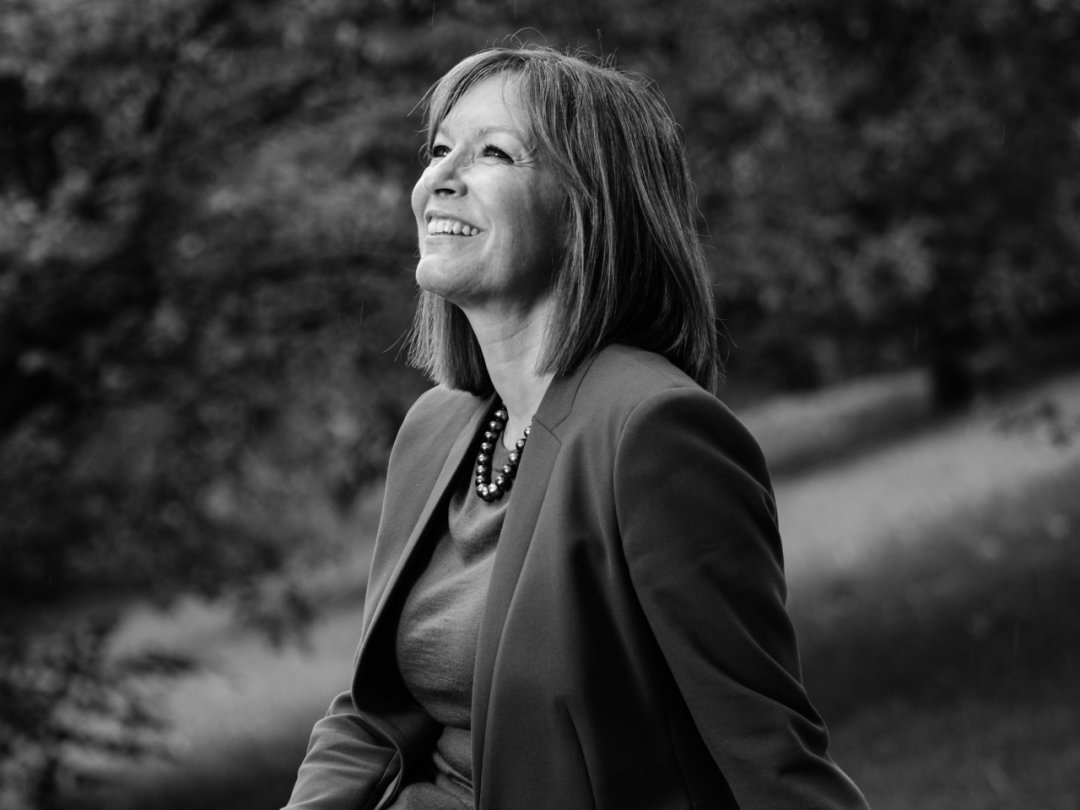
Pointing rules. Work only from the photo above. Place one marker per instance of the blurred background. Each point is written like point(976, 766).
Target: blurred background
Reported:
point(206, 257)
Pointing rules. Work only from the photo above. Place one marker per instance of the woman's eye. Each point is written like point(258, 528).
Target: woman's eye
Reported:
point(495, 152)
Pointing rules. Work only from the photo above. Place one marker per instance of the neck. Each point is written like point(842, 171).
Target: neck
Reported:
point(512, 349)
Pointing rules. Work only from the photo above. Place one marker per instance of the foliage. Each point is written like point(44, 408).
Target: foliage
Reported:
point(65, 704)
point(901, 181)
point(186, 338)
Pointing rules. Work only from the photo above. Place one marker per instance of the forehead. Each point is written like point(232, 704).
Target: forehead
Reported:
point(493, 104)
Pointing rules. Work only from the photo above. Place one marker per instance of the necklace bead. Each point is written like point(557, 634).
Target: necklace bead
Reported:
point(491, 490)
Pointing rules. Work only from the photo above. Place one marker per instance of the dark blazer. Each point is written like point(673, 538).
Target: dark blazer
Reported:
point(634, 653)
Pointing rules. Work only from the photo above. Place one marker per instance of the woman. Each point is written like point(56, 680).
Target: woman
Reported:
point(576, 596)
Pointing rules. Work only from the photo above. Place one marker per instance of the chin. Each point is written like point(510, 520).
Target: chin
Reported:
point(435, 280)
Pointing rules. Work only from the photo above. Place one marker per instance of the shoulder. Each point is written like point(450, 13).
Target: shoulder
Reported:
point(628, 374)
point(632, 387)
point(629, 402)
point(607, 388)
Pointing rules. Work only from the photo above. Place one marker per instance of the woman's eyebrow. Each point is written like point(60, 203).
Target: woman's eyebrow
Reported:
point(509, 130)
point(493, 128)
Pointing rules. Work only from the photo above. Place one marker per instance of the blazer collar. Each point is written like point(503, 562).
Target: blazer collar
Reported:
point(559, 398)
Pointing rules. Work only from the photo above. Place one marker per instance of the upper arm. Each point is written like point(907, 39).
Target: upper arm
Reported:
point(699, 532)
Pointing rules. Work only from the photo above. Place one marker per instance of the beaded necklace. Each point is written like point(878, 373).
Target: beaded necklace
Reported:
point(486, 488)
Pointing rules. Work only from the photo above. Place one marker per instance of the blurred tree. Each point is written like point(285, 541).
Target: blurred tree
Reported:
point(900, 179)
point(183, 260)
point(66, 697)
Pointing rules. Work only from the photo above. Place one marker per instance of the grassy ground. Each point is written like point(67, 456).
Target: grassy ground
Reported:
point(933, 570)
point(951, 676)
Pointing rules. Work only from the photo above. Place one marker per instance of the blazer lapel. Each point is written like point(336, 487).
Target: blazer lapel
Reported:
point(437, 495)
point(530, 487)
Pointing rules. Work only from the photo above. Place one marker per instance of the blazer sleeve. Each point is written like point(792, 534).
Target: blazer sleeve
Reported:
point(699, 531)
point(347, 765)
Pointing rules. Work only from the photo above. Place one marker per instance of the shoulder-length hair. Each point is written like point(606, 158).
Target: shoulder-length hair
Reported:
point(632, 270)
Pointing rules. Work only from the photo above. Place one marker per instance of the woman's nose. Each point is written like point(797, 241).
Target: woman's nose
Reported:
point(443, 176)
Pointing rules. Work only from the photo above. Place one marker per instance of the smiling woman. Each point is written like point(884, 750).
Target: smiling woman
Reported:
point(576, 598)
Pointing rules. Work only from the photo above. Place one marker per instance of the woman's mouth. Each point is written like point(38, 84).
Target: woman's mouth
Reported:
point(441, 226)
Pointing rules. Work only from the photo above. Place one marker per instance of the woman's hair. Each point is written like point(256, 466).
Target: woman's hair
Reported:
point(632, 270)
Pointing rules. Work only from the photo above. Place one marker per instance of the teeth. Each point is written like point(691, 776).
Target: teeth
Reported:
point(451, 226)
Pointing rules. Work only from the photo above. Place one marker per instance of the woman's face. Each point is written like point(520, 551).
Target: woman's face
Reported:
point(487, 207)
